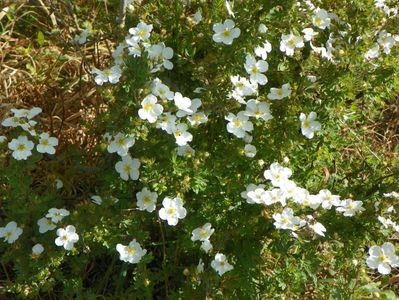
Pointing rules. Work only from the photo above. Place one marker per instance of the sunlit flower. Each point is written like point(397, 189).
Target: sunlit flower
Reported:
point(309, 124)
point(220, 264)
point(321, 19)
point(161, 90)
point(206, 246)
point(239, 124)
point(131, 253)
point(317, 227)
point(277, 174)
point(250, 188)
point(141, 32)
point(181, 134)
point(192, 109)
point(128, 168)
point(255, 68)
point(21, 147)
point(121, 144)
point(167, 122)
point(349, 207)
point(258, 110)
point(146, 200)
point(183, 103)
point(280, 93)
point(197, 118)
point(160, 55)
point(328, 200)
point(289, 42)
point(263, 50)
point(67, 237)
point(382, 258)
point(202, 233)
point(172, 210)
point(309, 34)
point(386, 41)
point(46, 144)
point(373, 52)
point(287, 220)
point(150, 109)
point(10, 232)
point(111, 75)
point(225, 33)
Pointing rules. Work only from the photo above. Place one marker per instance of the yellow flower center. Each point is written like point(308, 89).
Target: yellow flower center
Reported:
point(127, 168)
point(147, 106)
point(226, 33)
point(178, 133)
point(291, 42)
point(146, 199)
point(237, 123)
point(44, 142)
point(254, 70)
point(131, 250)
point(317, 21)
point(306, 124)
point(8, 234)
point(21, 147)
point(171, 211)
point(121, 142)
point(203, 233)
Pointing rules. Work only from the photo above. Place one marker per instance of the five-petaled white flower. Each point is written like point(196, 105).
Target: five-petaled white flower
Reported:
point(258, 110)
point(280, 93)
point(183, 104)
point(251, 187)
point(11, 232)
point(146, 200)
point(289, 42)
point(167, 122)
point(56, 215)
point(111, 75)
point(239, 124)
point(121, 144)
point(202, 233)
point(131, 253)
point(161, 55)
point(21, 147)
point(46, 144)
point(263, 50)
point(309, 124)
point(277, 174)
point(382, 258)
point(181, 134)
point(287, 220)
point(349, 207)
point(161, 90)
point(321, 19)
point(328, 200)
point(141, 32)
point(172, 210)
point(150, 109)
point(128, 167)
point(45, 225)
point(220, 264)
point(255, 68)
point(66, 237)
point(225, 33)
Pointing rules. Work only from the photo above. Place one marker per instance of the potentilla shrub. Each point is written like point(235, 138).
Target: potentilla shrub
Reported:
point(231, 160)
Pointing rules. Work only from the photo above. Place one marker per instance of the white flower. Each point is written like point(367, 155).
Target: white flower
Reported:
point(128, 167)
point(181, 134)
point(121, 144)
point(197, 17)
point(133, 46)
point(56, 215)
point(192, 109)
point(11, 232)
point(258, 195)
point(309, 124)
point(200, 266)
point(349, 207)
point(96, 199)
point(26, 113)
point(197, 118)
point(183, 103)
point(45, 225)
point(382, 258)
point(167, 122)
point(274, 196)
point(328, 200)
point(3, 138)
point(66, 237)
point(289, 42)
point(202, 233)
point(141, 32)
point(243, 86)
point(386, 41)
point(277, 174)
point(117, 54)
point(82, 37)
point(287, 220)
point(58, 184)
point(225, 33)
point(161, 90)
point(373, 52)
point(220, 264)
point(263, 50)
point(150, 109)
point(185, 150)
point(280, 93)
point(317, 227)
point(161, 55)
point(262, 28)
point(259, 110)
point(37, 249)
point(255, 69)
point(206, 246)
point(239, 125)
point(47, 144)
point(250, 150)
point(146, 200)
point(131, 253)
point(21, 147)
point(172, 210)
point(251, 187)
point(111, 75)
point(321, 18)
point(309, 34)
point(303, 197)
